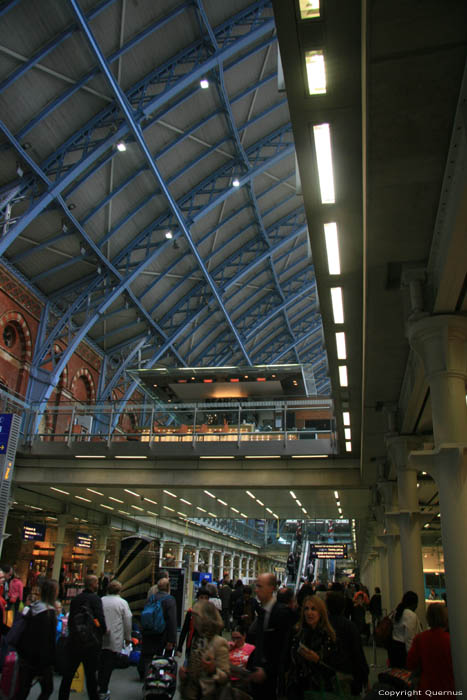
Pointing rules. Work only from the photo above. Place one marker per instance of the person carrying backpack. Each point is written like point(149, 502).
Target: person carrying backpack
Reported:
point(158, 624)
point(86, 625)
point(33, 637)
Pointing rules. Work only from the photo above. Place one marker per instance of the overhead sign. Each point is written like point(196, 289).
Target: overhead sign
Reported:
point(83, 540)
point(5, 426)
point(34, 531)
point(328, 551)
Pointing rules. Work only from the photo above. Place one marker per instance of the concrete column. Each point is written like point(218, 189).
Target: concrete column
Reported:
point(383, 575)
point(116, 556)
point(210, 561)
point(196, 561)
point(231, 567)
point(161, 553)
point(409, 520)
point(179, 559)
point(221, 565)
point(59, 546)
point(441, 342)
point(102, 549)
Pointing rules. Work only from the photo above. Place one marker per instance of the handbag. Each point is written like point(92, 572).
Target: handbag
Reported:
point(383, 630)
point(400, 678)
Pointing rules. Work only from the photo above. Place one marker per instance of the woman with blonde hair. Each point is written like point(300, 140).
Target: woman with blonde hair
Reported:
point(312, 651)
point(209, 664)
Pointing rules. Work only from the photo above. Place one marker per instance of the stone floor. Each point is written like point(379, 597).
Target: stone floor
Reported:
point(125, 685)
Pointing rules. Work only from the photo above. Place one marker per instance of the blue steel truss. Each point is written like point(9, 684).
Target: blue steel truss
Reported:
point(261, 329)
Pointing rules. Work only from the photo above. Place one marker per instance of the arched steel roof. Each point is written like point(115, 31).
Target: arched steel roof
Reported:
point(85, 224)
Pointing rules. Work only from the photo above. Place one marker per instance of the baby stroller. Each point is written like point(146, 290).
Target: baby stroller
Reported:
point(161, 679)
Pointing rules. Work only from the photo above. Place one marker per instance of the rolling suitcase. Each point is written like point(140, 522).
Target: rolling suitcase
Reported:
point(161, 679)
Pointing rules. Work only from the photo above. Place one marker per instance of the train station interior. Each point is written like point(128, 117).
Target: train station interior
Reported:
point(233, 312)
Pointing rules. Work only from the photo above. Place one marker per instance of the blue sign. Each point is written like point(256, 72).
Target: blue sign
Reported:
point(34, 531)
point(83, 540)
point(5, 426)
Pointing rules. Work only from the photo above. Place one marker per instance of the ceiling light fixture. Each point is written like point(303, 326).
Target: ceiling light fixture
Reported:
point(168, 235)
point(169, 493)
point(81, 498)
point(244, 516)
point(309, 456)
point(117, 500)
point(347, 433)
point(222, 502)
point(150, 501)
point(130, 457)
point(259, 502)
point(250, 495)
point(236, 182)
point(136, 507)
point(315, 72)
point(201, 509)
point(343, 378)
point(298, 503)
point(336, 495)
point(106, 507)
point(98, 493)
point(67, 493)
point(183, 500)
point(213, 515)
point(322, 137)
point(332, 248)
point(348, 446)
point(89, 456)
point(133, 493)
point(234, 509)
point(208, 493)
point(171, 509)
point(204, 83)
point(341, 346)
point(346, 418)
point(121, 146)
point(124, 512)
point(337, 305)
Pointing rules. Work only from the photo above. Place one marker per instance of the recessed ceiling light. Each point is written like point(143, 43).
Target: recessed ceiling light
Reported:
point(348, 446)
point(150, 512)
point(168, 235)
point(204, 83)
point(262, 457)
point(236, 182)
point(315, 72)
point(346, 417)
point(132, 493)
point(304, 510)
point(217, 457)
point(121, 146)
point(322, 137)
point(309, 456)
point(347, 433)
point(336, 495)
point(130, 457)
point(90, 456)
point(98, 493)
point(184, 515)
point(269, 510)
point(337, 305)
point(343, 378)
point(332, 248)
point(124, 512)
point(341, 346)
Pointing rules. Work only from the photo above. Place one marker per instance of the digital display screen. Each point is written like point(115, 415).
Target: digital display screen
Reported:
point(34, 531)
point(83, 540)
point(328, 551)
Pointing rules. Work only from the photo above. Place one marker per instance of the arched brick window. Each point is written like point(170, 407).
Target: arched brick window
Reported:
point(15, 337)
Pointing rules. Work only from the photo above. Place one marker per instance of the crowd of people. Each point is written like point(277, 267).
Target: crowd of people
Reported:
point(236, 641)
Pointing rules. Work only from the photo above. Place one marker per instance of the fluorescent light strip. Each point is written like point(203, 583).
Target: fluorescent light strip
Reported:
point(250, 495)
point(309, 456)
point(130, 457)
point(332, 248)
point(347, 433)
point(136, 507)
point(336, 495)
point(106, 507)
point(269, 510)
point(298, 503)
point(315, 72)
point(90, 456)
point(337, 305)
point(244, 516)
point(124, 512)
point(234, 509)
point(81, 498)
point(218, 457)
point(132, 493)
point(167, 508)
point(67, 493)
point(322, 137)
point(262, 456)
point(98, 493)
point(208, 493)
point(117, 500)
point(184, 515)
point(341, 346)
point(222, 502)
point(259, 502)
point(348, 446)
point(343, 378)
point(149, 501)
point(346, 417)
point(169, 493)
point(201, 509)
point(150, 512)
point(213, 515)
point(292, 494)
point(183, 500)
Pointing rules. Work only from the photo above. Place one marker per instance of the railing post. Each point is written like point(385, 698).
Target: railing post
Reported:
point(70, 429)
point(109, 435)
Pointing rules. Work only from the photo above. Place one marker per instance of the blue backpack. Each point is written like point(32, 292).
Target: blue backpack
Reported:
point(152, 617)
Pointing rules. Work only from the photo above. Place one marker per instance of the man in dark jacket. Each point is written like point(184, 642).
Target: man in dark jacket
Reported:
point(154, 643)
point(270, 638)
point(225, 594)
point(86, 625)
point(350, 657)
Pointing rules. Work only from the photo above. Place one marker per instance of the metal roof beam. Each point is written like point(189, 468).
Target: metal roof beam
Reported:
point(135, 129)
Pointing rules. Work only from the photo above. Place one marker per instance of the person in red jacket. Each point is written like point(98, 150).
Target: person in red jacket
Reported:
point(431, 652)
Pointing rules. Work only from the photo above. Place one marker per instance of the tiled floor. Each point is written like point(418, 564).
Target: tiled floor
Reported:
point(125, 685)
